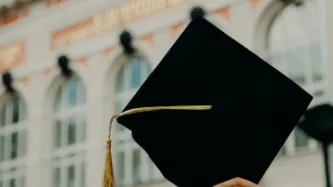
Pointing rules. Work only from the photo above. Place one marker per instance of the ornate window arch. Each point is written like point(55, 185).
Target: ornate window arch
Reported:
point(132, 166)
point(295, 47)
point(69, 134)
point(13, 137)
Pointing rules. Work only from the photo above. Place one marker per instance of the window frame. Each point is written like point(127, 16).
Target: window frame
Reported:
point(13, 168)
point(123, 138)
point(65, 154)
point(312, 87)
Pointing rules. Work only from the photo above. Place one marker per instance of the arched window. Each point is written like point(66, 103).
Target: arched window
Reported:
point(13, 137)
point(132, 164)
point(296, 49)
point(69, 134)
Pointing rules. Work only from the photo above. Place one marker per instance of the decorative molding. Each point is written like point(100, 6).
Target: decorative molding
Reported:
point(16, 8)
point(224, 12)
point(50, 3)
point(255, 4)
point(12, 55)
point(110, 19)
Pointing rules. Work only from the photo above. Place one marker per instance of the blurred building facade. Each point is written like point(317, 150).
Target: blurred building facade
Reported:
point(53, 133)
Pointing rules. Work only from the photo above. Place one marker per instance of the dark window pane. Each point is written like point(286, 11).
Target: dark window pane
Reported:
point(14, 145)
point(137, 166)
point(82, 182)
point(23, 181)
point(3, 117)
point(22, 142)
point(71, 131)
point(296, 65)
point(148, 67)
point(135, 73)
point(119, 108)
point(82, 127)
point(81, 91)
point(316, 61)
point(120, 81)
point(57, 134)
point(16, 107)
point(71, 92)
point(13, 169)
point(22, 110)
point(56, 177)
point(58, 100)
point(2, 148)
point(301, 138)
point(120, 165)
point(148, 70)
point(1, 179)
point(12, 183)
point(70, 176)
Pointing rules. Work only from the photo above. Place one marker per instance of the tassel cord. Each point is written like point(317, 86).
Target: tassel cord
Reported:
point(109, 178)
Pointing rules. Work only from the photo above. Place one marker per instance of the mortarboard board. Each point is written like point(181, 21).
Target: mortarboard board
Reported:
point(211, 110)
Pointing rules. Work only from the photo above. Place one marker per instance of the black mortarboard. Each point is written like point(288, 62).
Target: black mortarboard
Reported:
point(212, 110)
point(318, 123)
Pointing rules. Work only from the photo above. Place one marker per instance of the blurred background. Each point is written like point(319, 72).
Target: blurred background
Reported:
point(68, 65)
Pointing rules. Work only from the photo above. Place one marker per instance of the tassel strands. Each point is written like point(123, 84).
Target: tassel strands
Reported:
point(109, 179)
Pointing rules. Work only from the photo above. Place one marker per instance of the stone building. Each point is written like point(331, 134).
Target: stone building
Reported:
point(53, 132)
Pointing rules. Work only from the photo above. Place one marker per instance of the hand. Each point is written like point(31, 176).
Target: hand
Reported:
point(237, 182)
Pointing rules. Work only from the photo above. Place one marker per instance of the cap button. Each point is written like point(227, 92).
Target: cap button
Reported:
point(220, 106)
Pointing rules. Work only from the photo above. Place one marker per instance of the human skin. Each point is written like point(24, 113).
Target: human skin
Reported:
point(237, 182)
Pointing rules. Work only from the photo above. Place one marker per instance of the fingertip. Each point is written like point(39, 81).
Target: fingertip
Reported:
point(237, 181)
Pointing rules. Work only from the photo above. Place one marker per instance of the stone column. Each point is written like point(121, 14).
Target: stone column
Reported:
point(37, 138)
point(327, 28)
point(34, 93)
point(96, 126)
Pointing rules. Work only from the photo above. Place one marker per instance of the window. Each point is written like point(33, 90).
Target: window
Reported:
point(69, 134)
point(12, 142)
point(132, 164)
point(295, 48)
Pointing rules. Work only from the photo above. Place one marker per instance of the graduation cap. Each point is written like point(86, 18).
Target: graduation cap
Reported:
point(211, 111)
point(318, 123)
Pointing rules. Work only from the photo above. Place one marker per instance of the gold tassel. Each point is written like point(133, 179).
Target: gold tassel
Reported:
point(109, 178)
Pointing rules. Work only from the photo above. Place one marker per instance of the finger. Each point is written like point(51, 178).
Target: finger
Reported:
point(230, 183)
point(237, 182)
point(245, 183)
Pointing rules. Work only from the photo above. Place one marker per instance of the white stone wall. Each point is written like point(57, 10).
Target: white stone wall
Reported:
point(249, 27)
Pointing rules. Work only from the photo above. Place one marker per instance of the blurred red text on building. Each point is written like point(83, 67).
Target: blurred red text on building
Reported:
point(110, 19)
point(12, 55)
